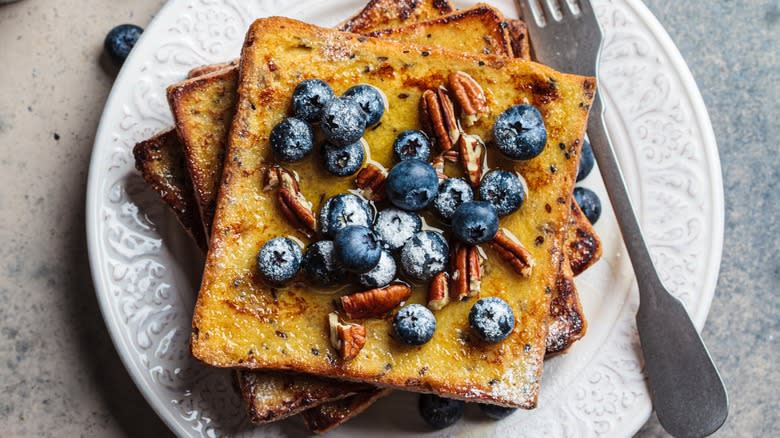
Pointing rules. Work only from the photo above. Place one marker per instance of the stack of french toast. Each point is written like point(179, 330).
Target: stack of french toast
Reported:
point(328, 352)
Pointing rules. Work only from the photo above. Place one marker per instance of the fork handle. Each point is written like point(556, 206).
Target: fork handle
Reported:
point(688, 394)
point(621, 202)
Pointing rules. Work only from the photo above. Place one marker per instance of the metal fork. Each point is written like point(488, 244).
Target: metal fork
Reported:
point(688, 394)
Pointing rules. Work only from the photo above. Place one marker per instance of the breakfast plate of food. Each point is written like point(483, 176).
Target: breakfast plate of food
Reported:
point(352, 218)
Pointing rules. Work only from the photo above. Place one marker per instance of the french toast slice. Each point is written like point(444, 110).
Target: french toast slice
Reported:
point(329, 416)
point(236, 316)
point(161, 162)
point(478, 29)
point(272, 396)
point(379, 14)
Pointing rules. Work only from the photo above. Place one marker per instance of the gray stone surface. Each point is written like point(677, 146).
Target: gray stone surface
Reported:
point(59, 372)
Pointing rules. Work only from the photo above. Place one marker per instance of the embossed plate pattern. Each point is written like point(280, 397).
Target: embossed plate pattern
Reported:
point(146, 275)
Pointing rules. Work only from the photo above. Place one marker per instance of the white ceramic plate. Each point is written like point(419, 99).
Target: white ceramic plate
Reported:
point(146, 275)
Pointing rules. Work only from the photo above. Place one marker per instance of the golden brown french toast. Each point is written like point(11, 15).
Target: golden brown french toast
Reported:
point(236, 316)
point(208, 69)
point(161, 162)
point(380, 14)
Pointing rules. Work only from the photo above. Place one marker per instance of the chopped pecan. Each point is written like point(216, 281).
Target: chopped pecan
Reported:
point(472, 156)
point(509, 248)
point(439, 291)
point(293, 204)
point(375, 302)
point(271, 178)
point(438, 165)
point(348, 338)
point(466, 267)
point(437, 117)
point(451, 155)
point(470, 97)
point(371, 180)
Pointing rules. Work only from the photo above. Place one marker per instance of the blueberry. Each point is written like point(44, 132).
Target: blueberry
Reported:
point(310, 97)
point(120, 40)
point(502, 189)
point(519, 132)
point(412, 144)
point(342, 121)
point(589, 202)
point(382, 274)
point(342, 210)
point(496, 412)
point(394, 227)
point(453, 192)
point(411, 184)
point(357, 248)
point(414, 324)
point(424, 255)
point(587, 160)
point(475, 222)
point(371, 100)
point(292, 139)
point(492, 319)
point(343, 160)
point(279, 260)
point(319, 263)
point(440, 412)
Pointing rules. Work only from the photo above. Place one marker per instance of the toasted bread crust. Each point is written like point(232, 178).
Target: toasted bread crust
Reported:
point(202, 127)
point(392, 13)
point(583, 245)
point(326, 417)
point(272, 396)
point(160, 161)
point(496, 39)
point(541, 85)
point(518, 33)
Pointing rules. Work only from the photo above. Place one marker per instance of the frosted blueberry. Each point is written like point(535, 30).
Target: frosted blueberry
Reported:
point(414, 324)
point(519, 132)
point(279, 260)
point(453, 192)
point(342, 210)
point(503, 190)
point(492, 319)
point(394, 227)
point(382, 274)
point(424, 255)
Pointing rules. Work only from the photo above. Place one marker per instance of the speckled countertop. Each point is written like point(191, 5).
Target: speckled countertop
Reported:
point(59, 372)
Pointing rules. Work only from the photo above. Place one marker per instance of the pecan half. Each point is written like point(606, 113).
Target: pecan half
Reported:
point(371, 180)
point(472, 156)
point(439, 291)
point(470, 96)
point(466, 267)
point(375, 302)
point(512, 251)
point(295, 207)
point(347, 338)
point(437, 116)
